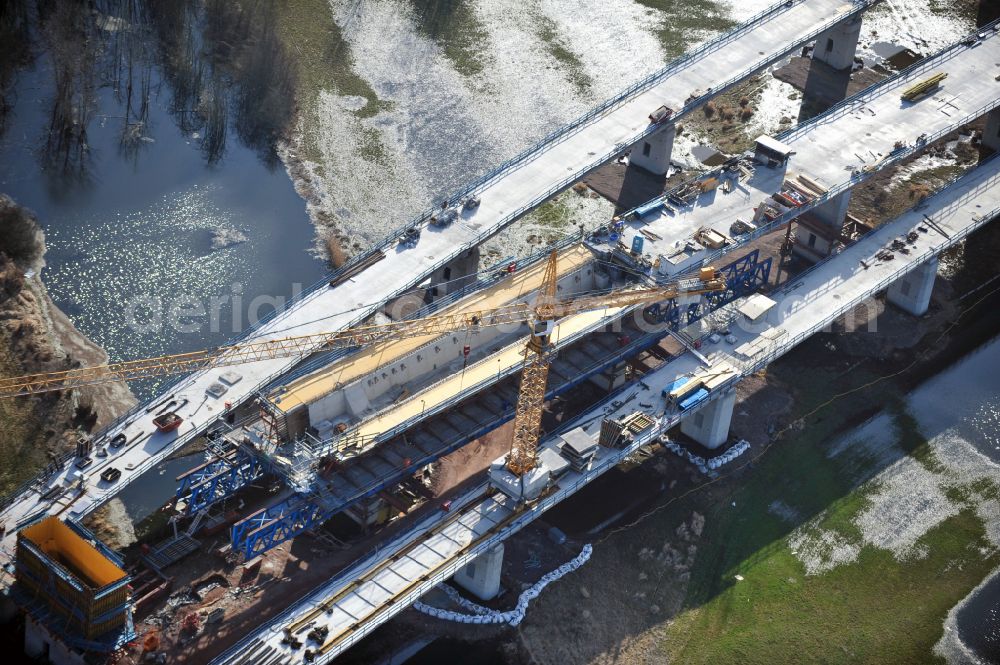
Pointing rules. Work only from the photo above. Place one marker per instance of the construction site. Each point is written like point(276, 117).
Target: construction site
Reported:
point(376, 444)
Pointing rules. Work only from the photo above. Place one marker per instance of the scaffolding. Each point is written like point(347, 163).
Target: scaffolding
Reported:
point(74, 586)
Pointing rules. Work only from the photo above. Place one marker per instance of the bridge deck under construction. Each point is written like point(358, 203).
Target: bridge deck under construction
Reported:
point(389, 270)
point(367, 595)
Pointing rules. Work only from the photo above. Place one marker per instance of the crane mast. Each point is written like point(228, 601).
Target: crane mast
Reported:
point(534, 377)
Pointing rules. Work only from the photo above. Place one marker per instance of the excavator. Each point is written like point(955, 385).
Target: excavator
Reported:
point(542, 317)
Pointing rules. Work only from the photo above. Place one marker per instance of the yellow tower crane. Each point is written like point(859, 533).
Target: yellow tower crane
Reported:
point(534, 377)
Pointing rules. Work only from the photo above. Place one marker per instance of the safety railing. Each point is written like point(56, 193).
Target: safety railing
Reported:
point(838, 109)
point(495, 537)
point(953, 183)
point(779, 348)
point(784, 218)
point(500, 170)
point(893, 159)
point(350, 571)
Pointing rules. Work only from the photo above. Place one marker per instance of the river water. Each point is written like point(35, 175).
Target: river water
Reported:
point(130, 224)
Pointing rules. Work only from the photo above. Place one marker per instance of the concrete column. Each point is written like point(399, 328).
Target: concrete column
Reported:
point(837, 46)
point(709, 426)
point(991, 134)
point(653, 152)
point(912, 292)
point(481, 577)
point(834, 212)
point(455, 274)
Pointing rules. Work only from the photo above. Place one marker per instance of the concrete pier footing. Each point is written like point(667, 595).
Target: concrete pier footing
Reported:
point(912, 292)
point(709, 426)
point(653, 152)
point(45, 647)
point(481, 576)
point(837, 46)
point(829, 74)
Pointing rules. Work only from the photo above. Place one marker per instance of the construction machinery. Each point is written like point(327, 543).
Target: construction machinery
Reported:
point(537, 354)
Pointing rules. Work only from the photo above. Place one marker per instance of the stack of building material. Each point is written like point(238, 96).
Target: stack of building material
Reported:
point(612, 433)
point(550, 459)
point(578, 448)
point(637, 424)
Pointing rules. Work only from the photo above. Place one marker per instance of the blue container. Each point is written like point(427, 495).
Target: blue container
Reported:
point(697, 397)
point(637, 244)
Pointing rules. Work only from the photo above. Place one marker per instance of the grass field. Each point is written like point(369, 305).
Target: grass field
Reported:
point(874, 608)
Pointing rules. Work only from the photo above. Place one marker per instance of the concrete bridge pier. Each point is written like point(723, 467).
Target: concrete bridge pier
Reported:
point(481, 576)
point(709, 426)
point(912, 292)
point(834, 212)
point(829, 74)
point(817, 231)
point(456, 274)
point(837, 46)
point(991, 134)
point(653, 152)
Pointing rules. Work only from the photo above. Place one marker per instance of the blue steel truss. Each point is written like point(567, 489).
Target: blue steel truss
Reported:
point(218, 479)
point(272, 526)
point(743, 277)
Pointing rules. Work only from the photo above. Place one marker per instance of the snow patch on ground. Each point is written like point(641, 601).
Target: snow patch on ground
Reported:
point(912, 24)
point(369, 196)
point(442, 128)
point(587, 210)
point(683, 156)
point(528, 91)
point(925, 162)
point(904, 501)
point(741, 10)
point(821, 550)
point(908, 503)
point(615, 40)
point(964, 464)
point(777, 100)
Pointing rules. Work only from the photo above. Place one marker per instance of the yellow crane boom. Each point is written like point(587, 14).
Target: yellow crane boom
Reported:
point(528, 412)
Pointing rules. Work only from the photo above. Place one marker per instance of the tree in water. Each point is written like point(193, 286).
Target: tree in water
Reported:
point(67, 28)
